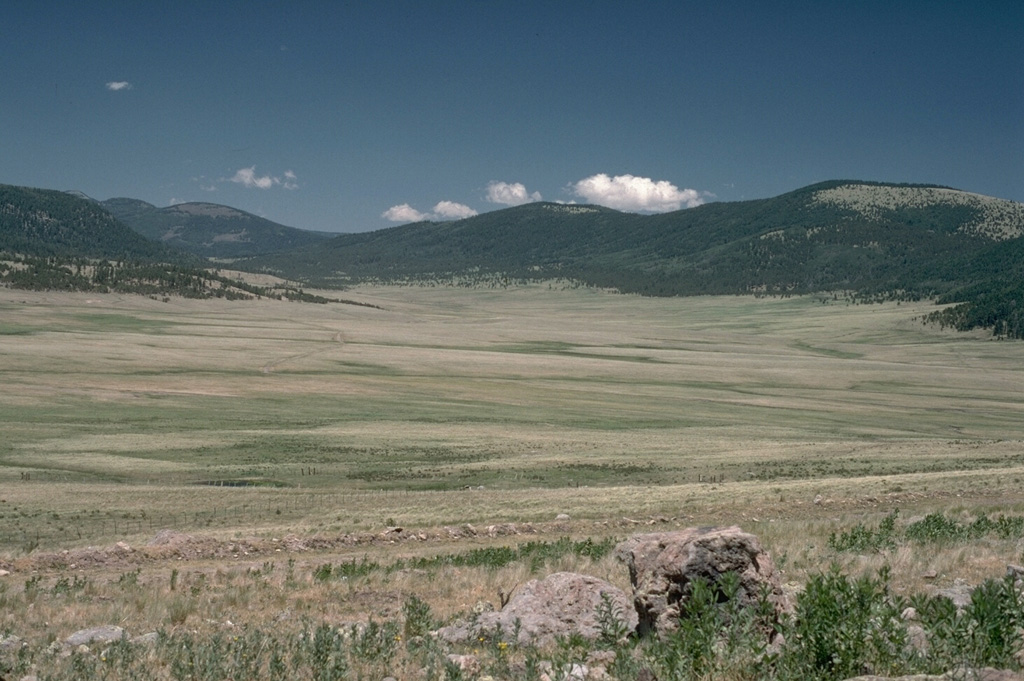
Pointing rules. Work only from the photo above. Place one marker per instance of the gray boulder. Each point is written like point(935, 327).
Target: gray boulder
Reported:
point(9, 643)
point(561, 604)
point(960, 593)
point(84, 637)
point(663, 565)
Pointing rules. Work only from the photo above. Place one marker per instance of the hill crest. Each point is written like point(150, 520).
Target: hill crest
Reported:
point(210, 230)
point(997, 219)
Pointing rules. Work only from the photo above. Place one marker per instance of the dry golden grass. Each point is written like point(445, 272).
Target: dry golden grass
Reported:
point(598, 405)
point(449, 407)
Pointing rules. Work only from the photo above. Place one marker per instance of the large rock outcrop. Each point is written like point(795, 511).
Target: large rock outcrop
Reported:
point(561, 604)
point(663, 565)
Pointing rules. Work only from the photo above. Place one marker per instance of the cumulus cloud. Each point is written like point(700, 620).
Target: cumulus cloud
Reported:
point(443, 210)
point(449, 210)
point(247, 177)
point(507, 194)
point(119, 85)
point(404, 213)
point(627, 192)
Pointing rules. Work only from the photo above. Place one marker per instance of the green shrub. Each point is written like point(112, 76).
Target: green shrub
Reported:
point(843, 628)
point(861, 539)
point(419, 621)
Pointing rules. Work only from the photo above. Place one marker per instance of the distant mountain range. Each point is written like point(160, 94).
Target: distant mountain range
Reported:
point(67, 241)
point(46, 222)
point(847, 235)
point(209, 229)
point(873, 239)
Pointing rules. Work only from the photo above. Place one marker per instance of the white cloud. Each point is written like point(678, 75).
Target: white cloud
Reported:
point(449, 210)
point(443, 210)
point(404, 213)
point(119, 85)
point(514, 194)
point(247, 177)
point(626, 192)
point(175, 202)
point(290, 180)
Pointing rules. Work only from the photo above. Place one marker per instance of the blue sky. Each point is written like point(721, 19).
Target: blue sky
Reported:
point(349, 116)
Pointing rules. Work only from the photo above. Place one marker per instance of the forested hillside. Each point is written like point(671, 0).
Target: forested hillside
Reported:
point(210, 230)
point(876, 240)
point(61, 241)
point(45, 222)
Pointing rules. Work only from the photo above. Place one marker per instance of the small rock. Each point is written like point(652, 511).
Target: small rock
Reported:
point(917, 638)
point(107, 634)
point(123, 547)
point(930, 574)
point(818, 499)
point(909, 614)
point(561, 517)
point(9, 643)
point(4, 573)
point(575, 672)
point(959, 593)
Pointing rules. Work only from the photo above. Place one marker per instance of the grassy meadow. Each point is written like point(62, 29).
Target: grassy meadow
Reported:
point(122, 415)
point(266, 426)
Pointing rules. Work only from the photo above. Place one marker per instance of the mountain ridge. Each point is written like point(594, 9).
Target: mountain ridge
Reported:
point(210, 230)
point(791, 243)
point(876, 240)
point(48, 222)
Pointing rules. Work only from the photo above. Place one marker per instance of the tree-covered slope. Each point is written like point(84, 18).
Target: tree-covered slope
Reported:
point(835, 235)
point(44, 222)
point(65, 241)
point(209, 229)
point(871, 238)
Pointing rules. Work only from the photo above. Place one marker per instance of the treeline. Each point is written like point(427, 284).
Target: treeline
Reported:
point(44, 222)
point(790, 244)
point(1001, 310)
point(55, 273)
